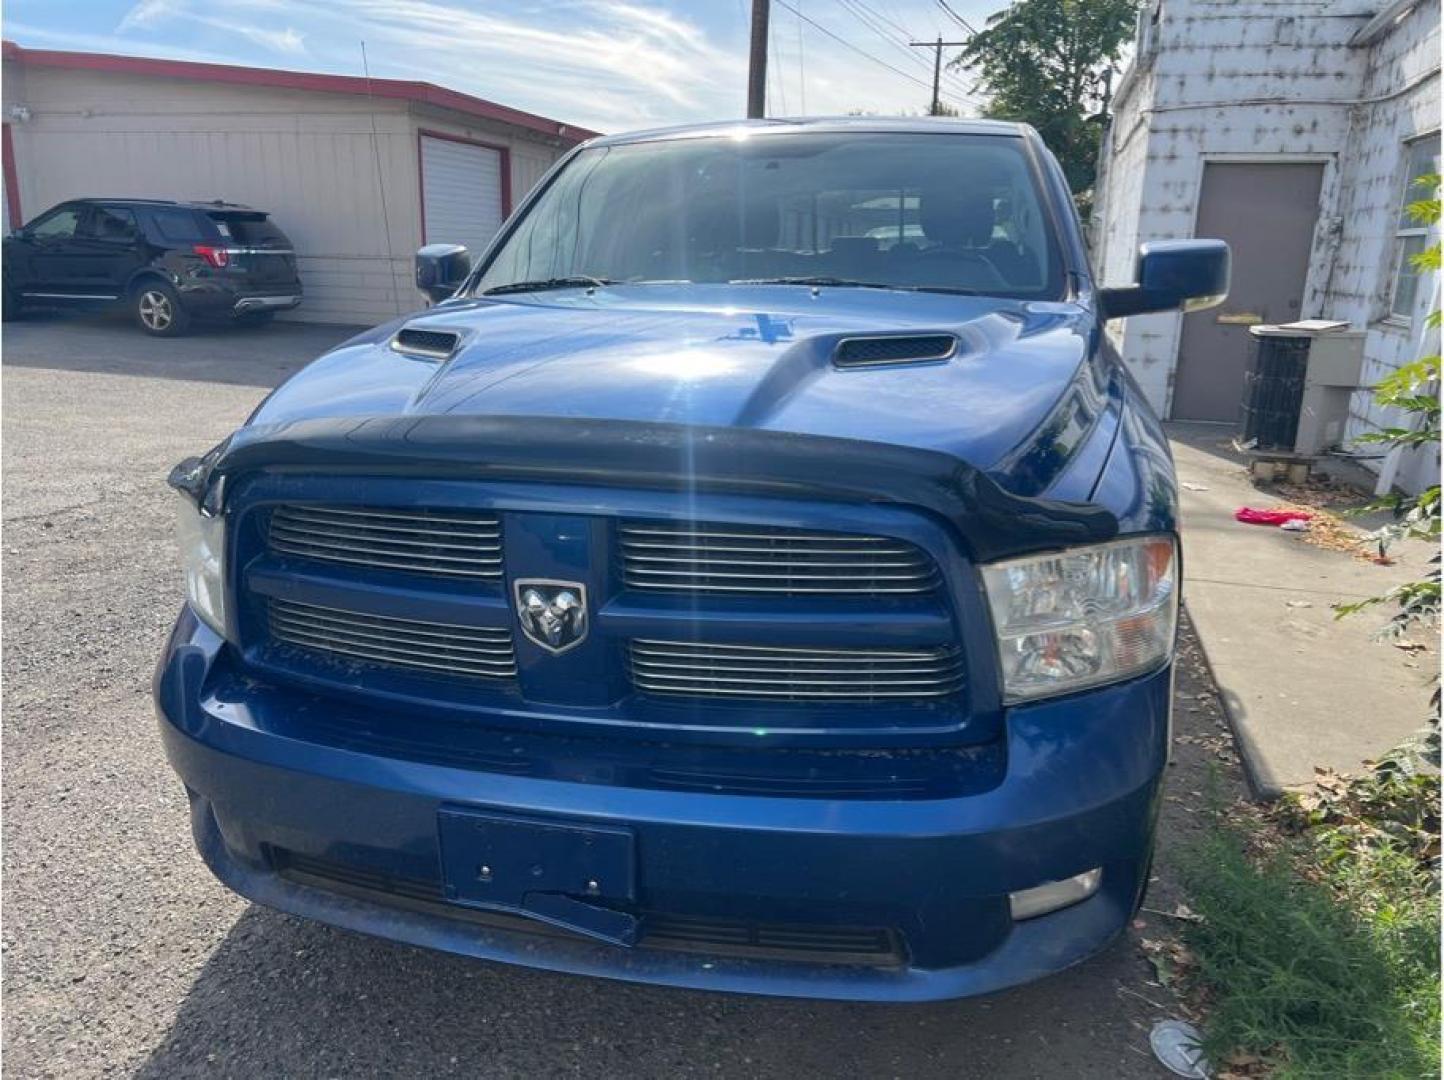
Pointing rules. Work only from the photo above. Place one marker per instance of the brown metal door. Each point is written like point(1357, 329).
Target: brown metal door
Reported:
point(1267, 213)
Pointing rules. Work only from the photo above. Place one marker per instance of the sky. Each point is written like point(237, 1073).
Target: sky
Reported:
point(608, 65)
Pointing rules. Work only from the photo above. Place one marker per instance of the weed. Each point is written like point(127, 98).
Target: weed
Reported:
point(1323, 964)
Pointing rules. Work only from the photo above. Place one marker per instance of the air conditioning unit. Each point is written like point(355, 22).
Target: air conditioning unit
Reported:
point(1297, 390)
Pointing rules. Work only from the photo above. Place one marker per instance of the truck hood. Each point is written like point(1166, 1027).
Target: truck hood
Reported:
point(727, 356)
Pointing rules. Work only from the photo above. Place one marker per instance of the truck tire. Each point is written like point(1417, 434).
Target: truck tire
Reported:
point(157, 309)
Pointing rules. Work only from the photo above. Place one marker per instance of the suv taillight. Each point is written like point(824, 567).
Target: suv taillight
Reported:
point(215, 256)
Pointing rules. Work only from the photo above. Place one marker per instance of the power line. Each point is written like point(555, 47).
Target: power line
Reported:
point(883, 18)
point(849, 45)
point(801, 69)
point(858, 12)
point(780, 76)
point(867, 16)
point(956, 17)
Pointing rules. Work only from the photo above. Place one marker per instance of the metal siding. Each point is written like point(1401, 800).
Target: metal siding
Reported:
point(461, 192)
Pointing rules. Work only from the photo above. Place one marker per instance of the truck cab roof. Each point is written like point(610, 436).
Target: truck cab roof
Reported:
point(819, 124)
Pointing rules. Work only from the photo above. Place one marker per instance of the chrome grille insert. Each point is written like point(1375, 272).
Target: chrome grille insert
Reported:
point(696, 557)
point(452, 543)
point(471, 651)
point(697, 669)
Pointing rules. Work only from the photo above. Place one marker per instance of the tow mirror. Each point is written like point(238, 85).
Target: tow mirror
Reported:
point(1173, 275)
point(441, 269)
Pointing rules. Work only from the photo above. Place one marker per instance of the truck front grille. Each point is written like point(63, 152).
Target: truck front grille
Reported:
point(450, 543)
point(695, 669)
point(444, 648)
point(691, 557)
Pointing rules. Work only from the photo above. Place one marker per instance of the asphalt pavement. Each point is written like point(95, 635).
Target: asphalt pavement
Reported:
point(122, 956)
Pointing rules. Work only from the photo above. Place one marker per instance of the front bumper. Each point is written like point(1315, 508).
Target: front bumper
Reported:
point(1080, 790)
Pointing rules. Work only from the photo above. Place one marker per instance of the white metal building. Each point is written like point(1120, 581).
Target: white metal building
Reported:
point(358, 174)
point(1293, 129)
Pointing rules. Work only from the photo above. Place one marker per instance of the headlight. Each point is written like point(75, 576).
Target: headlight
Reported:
point(1083, 617)
point(202, 539)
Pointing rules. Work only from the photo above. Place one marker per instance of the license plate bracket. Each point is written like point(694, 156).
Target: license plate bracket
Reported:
point(562, 872)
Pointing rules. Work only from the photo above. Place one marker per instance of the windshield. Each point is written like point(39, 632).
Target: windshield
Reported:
point(948, 211)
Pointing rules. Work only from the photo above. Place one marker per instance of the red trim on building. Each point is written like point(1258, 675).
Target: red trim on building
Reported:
point(12, 179)
point(505, 168)
point(403, 89)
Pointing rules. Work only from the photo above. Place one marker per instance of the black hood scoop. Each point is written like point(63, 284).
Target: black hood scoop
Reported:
point(884, 350)
point(431, 344)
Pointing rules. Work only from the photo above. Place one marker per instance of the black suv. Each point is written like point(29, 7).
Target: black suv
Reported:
point(167, 262)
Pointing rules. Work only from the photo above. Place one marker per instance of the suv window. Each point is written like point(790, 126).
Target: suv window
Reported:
point(177, 225)
point(57, 225)
point(108, 223)
point(250, 230)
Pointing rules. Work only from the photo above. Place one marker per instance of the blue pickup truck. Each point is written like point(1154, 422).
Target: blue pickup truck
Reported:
point(756, 572)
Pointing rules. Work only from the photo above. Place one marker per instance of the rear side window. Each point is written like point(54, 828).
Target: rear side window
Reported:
point(250, 230)
point(178, 226)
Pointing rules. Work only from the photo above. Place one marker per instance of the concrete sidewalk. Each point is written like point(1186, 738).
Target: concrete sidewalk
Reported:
point(1301, 688)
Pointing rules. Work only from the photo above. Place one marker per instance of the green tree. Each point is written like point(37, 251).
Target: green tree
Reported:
point(1050, 63)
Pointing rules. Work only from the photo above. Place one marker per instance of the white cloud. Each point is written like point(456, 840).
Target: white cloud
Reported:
point(282, 41)
point(154, 16)
point(146, 13)
point(638, 51)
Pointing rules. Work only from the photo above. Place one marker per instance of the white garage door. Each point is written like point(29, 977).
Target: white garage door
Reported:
point(461, 193)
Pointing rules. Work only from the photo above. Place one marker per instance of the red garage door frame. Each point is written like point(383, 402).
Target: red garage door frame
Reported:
point(12, 179)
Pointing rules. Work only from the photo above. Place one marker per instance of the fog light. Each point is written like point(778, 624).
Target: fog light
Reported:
point(1041, 899)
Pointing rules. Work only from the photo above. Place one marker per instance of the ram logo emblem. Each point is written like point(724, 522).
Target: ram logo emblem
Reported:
point(553, 614)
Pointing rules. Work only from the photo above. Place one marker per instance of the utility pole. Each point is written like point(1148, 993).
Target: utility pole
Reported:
point(757, 64)
point(937, 47)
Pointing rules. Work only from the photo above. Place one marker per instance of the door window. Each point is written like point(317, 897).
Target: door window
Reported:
point(58, 224)
point(108, 223)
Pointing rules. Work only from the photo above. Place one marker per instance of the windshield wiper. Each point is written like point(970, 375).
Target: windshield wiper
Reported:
point(575, 281)
point(830, 282)
point(849, 283)
point(951, 290)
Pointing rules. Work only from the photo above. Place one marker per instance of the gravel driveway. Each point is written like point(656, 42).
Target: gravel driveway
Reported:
point(123, 956)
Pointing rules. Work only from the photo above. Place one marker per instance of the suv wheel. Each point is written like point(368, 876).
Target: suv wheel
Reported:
point(158, 309)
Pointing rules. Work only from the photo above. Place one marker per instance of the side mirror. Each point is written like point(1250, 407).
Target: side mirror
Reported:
point(1173, 275)
point(440, 270)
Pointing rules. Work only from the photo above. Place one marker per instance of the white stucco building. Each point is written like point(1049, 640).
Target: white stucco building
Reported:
point(357, 172)
point(1293, 129)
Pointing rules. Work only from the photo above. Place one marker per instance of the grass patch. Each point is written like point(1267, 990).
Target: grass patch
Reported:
point(1317, 951)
